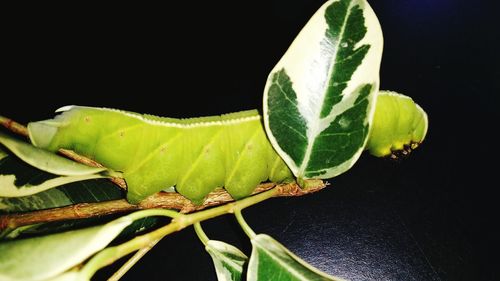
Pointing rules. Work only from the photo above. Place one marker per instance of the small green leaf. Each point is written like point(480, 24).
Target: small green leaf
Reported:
point(319, 99)
point(47, 256)
point(228, 260)
point(89, 191)
point(51, 198)
point(8, 187)
point(45, 160)
point(18, 179)
point(272, 261)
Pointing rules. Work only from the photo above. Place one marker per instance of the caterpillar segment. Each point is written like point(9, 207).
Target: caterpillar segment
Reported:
point(399, 126)
point(195, 155)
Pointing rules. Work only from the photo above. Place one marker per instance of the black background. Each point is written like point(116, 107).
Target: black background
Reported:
point(429, 217)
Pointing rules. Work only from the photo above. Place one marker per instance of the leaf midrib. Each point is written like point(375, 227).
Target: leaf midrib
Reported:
point(314, 131)
point(283, 264)
point(336, 60)
point(223, 259)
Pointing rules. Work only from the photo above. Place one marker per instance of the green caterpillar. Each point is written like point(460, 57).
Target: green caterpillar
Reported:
point(195, 155)
point(399, 124)
point(199, 154)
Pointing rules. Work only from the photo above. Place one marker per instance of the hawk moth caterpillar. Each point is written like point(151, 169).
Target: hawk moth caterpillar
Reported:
point(399, 125)
point(196, 155)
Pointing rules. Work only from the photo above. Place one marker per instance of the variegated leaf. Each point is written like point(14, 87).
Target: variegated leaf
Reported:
point(45, 257)
point(45, 160)
point(272, 261)
point(319, 99)
point(228, 260)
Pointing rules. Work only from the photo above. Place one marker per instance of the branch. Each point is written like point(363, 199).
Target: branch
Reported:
point(179, 222)
point(164, 200)
point(13, 126)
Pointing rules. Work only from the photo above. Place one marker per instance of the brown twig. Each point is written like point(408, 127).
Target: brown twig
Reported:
point(166, 200)
point(89, 162)
point(14, 126)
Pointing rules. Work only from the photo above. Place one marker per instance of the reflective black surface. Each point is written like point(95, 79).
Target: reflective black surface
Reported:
point(429, 217)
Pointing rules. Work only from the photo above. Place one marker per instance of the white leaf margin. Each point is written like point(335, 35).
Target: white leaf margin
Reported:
point(307, 67)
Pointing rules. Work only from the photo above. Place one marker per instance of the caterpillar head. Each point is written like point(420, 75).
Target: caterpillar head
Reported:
point(399, 126)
